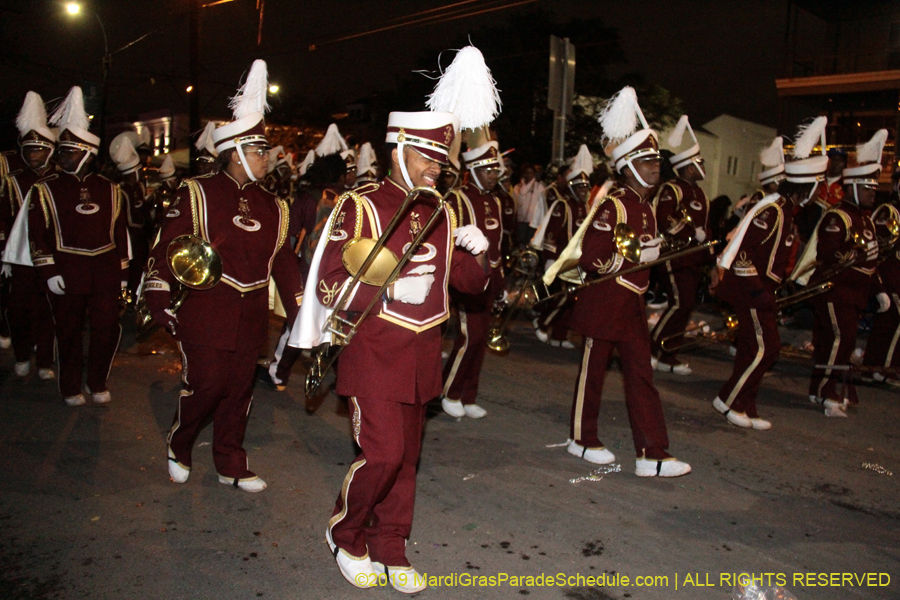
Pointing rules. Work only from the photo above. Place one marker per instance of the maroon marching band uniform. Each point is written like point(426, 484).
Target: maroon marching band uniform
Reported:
point(508, 220)
point(749, 285)
point(881, 348)
point(77, 230)
point(610, 315)
point(28, 312)
point(10, 160)
point(137, 215)
point(391, 369)
point(837, 311)
point(222, 330)
point(566, 216)
point(682, 275)
point(463, 369)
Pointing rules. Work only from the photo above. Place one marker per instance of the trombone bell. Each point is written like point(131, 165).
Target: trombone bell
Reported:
point(497, 341)
point(627, 243)
point(355, 253)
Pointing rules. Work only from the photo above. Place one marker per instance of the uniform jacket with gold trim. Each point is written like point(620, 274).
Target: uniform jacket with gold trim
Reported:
point(614, 310)
point(247, 226)
point(396, 353)
point(77, 230)
point(672, 194)
point(566, 216)
point(889, 269)
point(762, 259)
point(13, 191)
point(484, 211)
point(835, 244)
point(508, 220)
point(137, 208)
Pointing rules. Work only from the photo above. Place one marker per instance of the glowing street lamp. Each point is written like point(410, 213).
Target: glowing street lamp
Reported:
point(273, 89)
point(73, 8)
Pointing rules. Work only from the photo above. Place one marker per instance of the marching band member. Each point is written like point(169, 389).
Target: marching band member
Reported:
point(563, 219)
point(205, 161)
point(681, 209)
point(221, 330)
point(366, 165)
point(81, 251)
point(754, 263)
point(29, 314)
point(636, 158)
point(475, 205)
point(137, 213)
point(845, 233)
point(392, 367)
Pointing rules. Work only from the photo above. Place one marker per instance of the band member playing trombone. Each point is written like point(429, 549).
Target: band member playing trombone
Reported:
point(845, 249)
point(221, 330)
point(475, 205)
point(391, 367)
point(610, 315)
point(563, 219)
point(681, 209)
point(754, 264)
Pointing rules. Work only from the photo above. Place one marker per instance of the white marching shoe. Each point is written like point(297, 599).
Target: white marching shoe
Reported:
point(598, 456)
point(77, 400)
point(473, 411)
point(670, 467)
point(357, 571)
point(46, 374)
point(833, 408)
point(402, 579)
point(102, 397)
point(22, 369)
point(562, 344)
point(735, 418)
point(679, 369)
point(760, 424)
point(454, 408)
point(5, 342)
point(252, 485)
point(177, 473)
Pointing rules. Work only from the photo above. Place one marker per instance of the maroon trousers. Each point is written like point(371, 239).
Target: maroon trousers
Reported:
point(374, 510)
point(645, 414)
point(30, 318)
point(681, 288)
point(834, 339)
point(140, 252)
point(217, 384)
point(556, 318)
point(881, 349)
point(758, 347)
point(463, 369)
point(69, 311)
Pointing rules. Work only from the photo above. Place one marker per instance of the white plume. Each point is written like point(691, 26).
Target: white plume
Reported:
point(467, 90)
point(619, 116)
point(307, 163)
point(145, 137)
point(251, 98)
point(582, 163)
point(167, 169)
point(870, 152)
point(678, 132)
point(808, 136)
point(273, 157)
point(332, 142)
point(205, 141)
point(33, 115)
point(773, 155)
point(71, 112)
point(366, 160)
point(125, 154)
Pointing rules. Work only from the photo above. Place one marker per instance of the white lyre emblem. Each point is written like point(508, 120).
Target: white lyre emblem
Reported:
point(429, 252)
point(86, 207)
point(695, 204)
point(242, 219)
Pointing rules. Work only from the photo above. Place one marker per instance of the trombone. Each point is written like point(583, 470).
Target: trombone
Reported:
point(195, 264)
point(368, 261)
point(526, 267)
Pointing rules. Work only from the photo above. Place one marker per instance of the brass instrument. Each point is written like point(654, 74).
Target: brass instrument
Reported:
point(543, 295)
point(674, 243)
point(368, 261)
point(195, 264)
point(526, 268)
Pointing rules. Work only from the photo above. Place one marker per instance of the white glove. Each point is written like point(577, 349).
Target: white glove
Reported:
point(6, 270)
point(57, 285)
point(650, 250)
point(414, 290)
point(700, 235)
point(884, 302)
point(471, 238)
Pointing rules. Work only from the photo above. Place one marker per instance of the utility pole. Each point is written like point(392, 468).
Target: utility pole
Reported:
point(560, 92)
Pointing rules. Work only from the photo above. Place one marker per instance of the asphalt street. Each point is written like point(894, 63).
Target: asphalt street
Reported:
point(87, 509)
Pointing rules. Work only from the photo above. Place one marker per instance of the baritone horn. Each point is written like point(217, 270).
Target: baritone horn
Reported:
point(367, 261)
point(195, 264)
point(526, 267)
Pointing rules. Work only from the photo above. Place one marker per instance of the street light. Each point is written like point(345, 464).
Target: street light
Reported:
point(73, 8)
point(273, 89)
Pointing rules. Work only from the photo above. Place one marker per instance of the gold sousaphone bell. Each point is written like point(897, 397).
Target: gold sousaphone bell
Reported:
point(195, 264)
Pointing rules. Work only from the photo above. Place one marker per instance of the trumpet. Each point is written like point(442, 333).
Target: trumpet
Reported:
point(195, 264)
point(526, 267)
point(368, 261)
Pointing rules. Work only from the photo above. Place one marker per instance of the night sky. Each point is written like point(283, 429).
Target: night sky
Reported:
point(717, 56)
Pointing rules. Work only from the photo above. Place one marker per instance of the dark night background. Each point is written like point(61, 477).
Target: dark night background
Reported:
point(713, 56)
